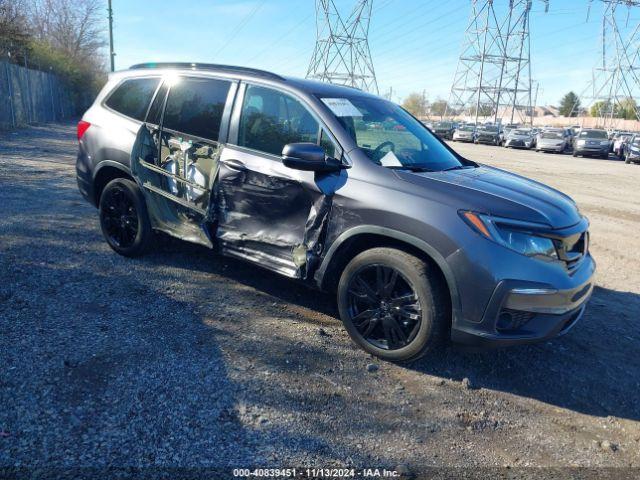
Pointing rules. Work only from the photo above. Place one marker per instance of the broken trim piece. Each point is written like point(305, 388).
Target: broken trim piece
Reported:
point(175, 199)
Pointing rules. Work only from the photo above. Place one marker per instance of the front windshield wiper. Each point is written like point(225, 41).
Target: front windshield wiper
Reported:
point(412, 168)
point(458, 167)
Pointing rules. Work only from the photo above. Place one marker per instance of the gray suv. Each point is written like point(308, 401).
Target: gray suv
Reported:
point(341, 190)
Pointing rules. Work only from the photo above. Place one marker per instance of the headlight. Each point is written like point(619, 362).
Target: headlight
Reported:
point(581, 142)
point(514, 237)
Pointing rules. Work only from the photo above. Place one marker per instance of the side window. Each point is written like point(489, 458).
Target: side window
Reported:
point(155, 111)
point(132, 97)
point(195, 106)
point(271, 119)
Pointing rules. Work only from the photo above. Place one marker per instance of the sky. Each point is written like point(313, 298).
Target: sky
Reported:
point(415, 44)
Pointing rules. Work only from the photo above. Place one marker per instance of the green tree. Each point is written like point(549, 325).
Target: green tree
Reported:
point(416, 104)
point(570, 105)
point(627, 109)
point(439, 107)
point(600, 109)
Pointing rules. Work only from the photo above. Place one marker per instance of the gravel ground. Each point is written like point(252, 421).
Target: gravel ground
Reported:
point(182, 358)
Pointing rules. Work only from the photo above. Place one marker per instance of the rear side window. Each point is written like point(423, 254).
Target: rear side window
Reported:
point(271, 119)
point(132, 97)
point(195, 106)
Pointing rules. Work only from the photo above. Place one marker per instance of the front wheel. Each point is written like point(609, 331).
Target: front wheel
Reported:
point(123, 218)
point(393, 304)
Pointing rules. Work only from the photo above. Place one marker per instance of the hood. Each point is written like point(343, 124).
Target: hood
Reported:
point(497, 192)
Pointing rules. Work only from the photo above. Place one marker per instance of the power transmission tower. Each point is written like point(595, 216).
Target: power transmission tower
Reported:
point(341, 54)
point(615, 85)
point(493, 77)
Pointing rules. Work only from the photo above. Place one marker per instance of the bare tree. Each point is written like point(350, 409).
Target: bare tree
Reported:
point(75, 27)
point(14, 31)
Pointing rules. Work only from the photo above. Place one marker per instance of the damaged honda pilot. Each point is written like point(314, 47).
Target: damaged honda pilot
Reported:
point(339, 189)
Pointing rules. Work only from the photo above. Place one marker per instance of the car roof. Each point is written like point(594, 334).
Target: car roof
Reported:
point(307, 85)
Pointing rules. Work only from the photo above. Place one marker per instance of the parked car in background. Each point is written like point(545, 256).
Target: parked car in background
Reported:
point(631, 150)
point(444, 129)
point(488, 134)
point(554, 140)
point(591, 142)
point(519, 138)
point(465, 133)
point(619, 140)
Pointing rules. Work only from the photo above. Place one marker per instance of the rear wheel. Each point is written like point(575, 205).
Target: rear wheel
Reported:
point(392, 304)
point(123, 218)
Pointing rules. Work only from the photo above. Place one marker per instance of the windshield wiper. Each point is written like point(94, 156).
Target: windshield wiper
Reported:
point(411, 168)
point(458, 167)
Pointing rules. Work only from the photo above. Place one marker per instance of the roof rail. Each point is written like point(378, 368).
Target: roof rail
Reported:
point(208, 66)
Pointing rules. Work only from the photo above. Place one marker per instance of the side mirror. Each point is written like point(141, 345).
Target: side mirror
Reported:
point(309, 157)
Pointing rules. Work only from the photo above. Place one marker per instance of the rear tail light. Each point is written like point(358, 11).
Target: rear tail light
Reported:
point(82, 127)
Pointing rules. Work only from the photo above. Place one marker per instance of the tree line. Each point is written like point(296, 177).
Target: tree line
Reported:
point(570, 106)
point(64, 37)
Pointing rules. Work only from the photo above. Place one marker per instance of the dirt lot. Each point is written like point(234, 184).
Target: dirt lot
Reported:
point(111, 361)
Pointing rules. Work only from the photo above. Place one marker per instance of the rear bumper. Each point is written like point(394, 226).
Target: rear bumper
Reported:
point(528, 311)
point(551, 148)
point(84, 176)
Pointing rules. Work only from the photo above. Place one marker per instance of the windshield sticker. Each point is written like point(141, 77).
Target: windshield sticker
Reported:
point(341, 107)
point(390, 160)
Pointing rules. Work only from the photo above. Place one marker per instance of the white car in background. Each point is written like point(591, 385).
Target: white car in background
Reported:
point(554, 140)
point(519, 138)
point(465, 133)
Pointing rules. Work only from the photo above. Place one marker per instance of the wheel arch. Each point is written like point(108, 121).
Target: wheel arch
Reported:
point(358, 239)
point(106, 171)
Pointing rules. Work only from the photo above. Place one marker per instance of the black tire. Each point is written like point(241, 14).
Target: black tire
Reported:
point(627, 160)
point(575, 154)
point(604, 156)
point(124, 219)
point(431, 317)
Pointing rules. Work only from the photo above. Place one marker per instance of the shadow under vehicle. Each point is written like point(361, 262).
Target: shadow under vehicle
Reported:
point(341, 190)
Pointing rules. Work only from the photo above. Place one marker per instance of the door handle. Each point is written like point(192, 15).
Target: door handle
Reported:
point(236, 165)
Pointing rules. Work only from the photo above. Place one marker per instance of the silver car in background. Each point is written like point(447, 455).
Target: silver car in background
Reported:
point(554, 140)
point(519, 138)
point(464, 133)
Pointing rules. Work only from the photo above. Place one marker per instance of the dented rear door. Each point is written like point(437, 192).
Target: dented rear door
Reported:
point(177, 156)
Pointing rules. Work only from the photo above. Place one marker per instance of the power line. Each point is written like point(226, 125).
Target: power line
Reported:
point(239, 27)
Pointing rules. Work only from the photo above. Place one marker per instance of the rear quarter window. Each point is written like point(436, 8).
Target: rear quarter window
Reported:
point(132, 97)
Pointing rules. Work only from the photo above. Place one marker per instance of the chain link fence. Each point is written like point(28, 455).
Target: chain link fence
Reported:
point(32, 96)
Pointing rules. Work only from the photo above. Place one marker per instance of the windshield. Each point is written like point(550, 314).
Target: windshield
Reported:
point(552, 134)
point(521, 132)
point(467, 129)
point(489, 129)
point(594, 134)
point(635, 141)
point(402, 142)
point(443, 125)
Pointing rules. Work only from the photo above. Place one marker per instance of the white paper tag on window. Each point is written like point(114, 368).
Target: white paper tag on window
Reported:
point(342, 107)
point(390, 160)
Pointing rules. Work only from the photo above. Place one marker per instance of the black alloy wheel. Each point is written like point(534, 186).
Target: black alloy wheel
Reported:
point(119, 216)
point(393, 304)
point(123, 217)
point(384, 307)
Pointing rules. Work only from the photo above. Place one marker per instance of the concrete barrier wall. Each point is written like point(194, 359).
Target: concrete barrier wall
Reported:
point(32, 96)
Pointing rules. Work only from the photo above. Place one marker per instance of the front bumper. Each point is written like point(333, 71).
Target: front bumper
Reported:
point(533, 302)
point(487, 140)
point(463, 139)
point(592, 150)
point(551, 147)
point(518, 144)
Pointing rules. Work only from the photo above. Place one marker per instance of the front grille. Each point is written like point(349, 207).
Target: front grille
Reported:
point(571, 250)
